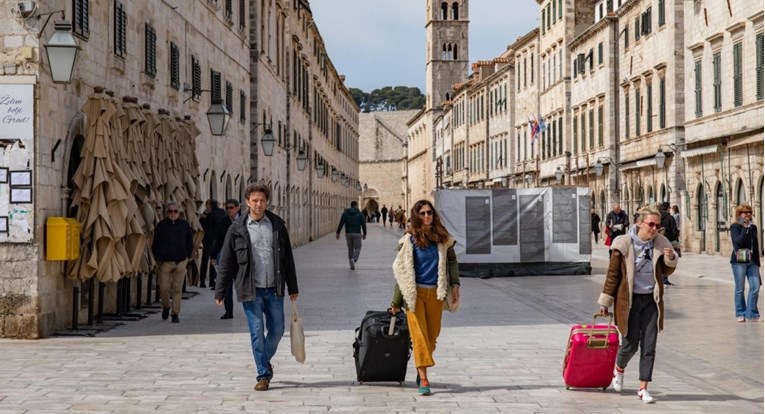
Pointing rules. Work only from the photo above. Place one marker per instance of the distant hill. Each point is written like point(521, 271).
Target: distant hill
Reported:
point(389, 98)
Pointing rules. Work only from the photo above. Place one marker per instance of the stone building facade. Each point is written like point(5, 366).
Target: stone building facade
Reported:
point(526, 97)
point(723, 119)
point(382, 163)
point(299, 96)
point(115, 53)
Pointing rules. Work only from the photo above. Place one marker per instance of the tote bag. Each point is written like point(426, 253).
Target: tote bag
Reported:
point(297, 336)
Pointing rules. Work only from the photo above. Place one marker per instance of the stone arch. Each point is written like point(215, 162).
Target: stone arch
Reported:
point(73, 142)
point(212, 187)
point(444, 10)
point(455, 11)
point(740, 193)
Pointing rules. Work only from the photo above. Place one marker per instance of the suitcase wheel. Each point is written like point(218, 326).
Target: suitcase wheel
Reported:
point(605, 388)
point(401, 383)
point(567, 388)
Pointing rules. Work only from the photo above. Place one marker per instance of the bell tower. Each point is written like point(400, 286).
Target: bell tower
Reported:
point(446, 55)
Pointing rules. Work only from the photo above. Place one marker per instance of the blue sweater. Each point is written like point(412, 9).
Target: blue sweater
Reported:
point(425, 264)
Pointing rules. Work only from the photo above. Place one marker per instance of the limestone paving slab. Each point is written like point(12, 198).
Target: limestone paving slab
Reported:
point(502, 352)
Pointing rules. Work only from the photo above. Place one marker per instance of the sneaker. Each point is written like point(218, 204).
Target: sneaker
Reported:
point(262, 385)
point(424, 387)
point(352, 264)
point(417, 380)
point(176, 319)
point(618, 381)
point(227, 316)
point(755, 319)
point(739, 319)
point(165, 313)
point(645, 396)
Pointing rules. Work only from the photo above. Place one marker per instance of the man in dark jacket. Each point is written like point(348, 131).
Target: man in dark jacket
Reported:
point(232, 214)
point(257, 256)
point(669, 228)
point(384, 212)
point(172, 247)
point(354, 223)
point(210, 221)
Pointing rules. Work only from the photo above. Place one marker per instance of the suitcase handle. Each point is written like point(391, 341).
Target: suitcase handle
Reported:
point(392, 325)
point(600, 342)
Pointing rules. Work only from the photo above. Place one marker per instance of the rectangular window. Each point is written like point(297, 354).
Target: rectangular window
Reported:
point(697, 89)
point(584, 132)
point(626, 36)
point(759, 49)
point(600, 53)
point(196, 78)
point(553, 137)
point(150, 67)
point(560, 9)
point(80, 18)
point(175, 66)
point(626, 114)
point(575, 136)
point(649, 102)
point(120, 29)
point(215, 86)
point(637, 27)
point(738, 92)
point(532, 68)
point(662, 17)
point(592, 129)
point(543, 21)
point(716, 62)
point(242, 107)
point(638, 109)
point(229, 97)
point(647, 21)
point(600, 126)
point(560, 135)
point(242, 14)
point(554, 9)
point(229, 8)
point(662, 103)
point(548, 17)
point(574, 69)
point(592, 63)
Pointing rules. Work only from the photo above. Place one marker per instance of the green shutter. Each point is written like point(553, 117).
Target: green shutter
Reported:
point(717, 82)
point(697, 71)
point(575, 135)
point(560, 9)
point(662, 103)
point(758, 47)
point(738, 98)
point(600, 126)
point(649, 99)
point(637, 112)
point(626, 115)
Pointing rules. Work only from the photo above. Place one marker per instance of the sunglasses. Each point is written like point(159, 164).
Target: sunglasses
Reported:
point(426, 213)
point(172, 211)
point(652, 225)
point(746, 212)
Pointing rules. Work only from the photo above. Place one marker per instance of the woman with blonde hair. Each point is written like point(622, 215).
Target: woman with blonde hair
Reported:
point(633, 287)
point(427, 281)
point(745, 262)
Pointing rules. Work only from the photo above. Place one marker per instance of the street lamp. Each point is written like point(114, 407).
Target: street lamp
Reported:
point(598, 168)
point(218, 117)
point(268, 142)
point(558, 174)
point(366, 187)
point(528, 178)
point(335, 174)
point(320, 170)
point(62, 51)
point(301, 160)
point(660, 158)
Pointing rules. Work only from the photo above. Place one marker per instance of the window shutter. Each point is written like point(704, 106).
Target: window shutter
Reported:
point(717, 82)
point(215, 86)
point(196, 78)
point(242, 106)
point(574, 134)
point(175, 61)
point(600, 53)
point(637, 112)
point(600, 126)
point(697, 71)
point(626, 114)
point(584, 132)
point(649, 100)
point(229, 97)
point(560, 9)
point(662, 103)
point(85, 18)
point(242, 14)
point(637, 27)
point(123, 29)
point(229, 8)
point(662, 15)
point(738, 98)
point(759, 49)
point(592, 129)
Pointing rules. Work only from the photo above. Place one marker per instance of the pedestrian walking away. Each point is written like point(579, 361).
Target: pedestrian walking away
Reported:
point(211, 216)
point(669, 230)
point(595, 219)
point(633, 287)
point(427, 280)
point(172, 247)
point(617, 222)
point(232, 214)
point(355, 224)
point(257, 256)
point(384, 212)
point(745, 263)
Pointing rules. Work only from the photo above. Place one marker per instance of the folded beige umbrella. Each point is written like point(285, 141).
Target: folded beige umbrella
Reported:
point(101, 197)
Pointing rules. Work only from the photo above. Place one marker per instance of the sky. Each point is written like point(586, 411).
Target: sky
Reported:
point(377, 43)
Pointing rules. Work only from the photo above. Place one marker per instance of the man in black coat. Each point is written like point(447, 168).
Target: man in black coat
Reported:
point(172, 247)
point(210, 221)
point(232, 214)
point(669, 228)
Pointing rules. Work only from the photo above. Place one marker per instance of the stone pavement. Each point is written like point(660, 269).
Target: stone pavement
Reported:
point(501, 353)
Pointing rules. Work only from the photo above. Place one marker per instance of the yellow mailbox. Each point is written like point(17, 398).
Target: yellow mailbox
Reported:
point(63, 239)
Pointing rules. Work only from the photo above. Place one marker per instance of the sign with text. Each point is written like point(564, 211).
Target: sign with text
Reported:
point(17, 111)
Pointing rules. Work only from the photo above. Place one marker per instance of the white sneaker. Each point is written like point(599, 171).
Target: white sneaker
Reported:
point(352, 264)
point(740, 319)
point(618, 381)
point(645, 396)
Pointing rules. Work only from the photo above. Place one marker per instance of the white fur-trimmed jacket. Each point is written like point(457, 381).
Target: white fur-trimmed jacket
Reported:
point(405, 291)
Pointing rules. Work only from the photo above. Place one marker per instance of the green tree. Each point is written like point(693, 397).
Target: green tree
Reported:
point(389, 98)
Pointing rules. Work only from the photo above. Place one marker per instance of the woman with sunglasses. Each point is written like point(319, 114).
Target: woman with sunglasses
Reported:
point(743, 233)
point(633, 286)
point(427, 281)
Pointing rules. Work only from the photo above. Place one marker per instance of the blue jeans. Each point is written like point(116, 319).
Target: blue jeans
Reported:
point(751, 272)
point(264, 346)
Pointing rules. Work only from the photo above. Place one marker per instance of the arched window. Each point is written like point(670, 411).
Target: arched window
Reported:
point(455, 11)
point(213, 190)
point(444, 10)
point(448, 97)
point(229, 188)
point(444, 53)
point(719, 203)
point(651, 198)
point(740, 192)
point(700, 208)
point(454, 56)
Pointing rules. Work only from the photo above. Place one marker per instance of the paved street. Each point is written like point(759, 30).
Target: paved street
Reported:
point(501, 353)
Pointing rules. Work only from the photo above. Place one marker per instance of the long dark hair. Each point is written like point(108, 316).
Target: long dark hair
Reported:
point(424, 235)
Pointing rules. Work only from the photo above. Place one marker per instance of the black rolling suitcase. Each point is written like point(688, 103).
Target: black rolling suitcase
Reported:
point(382, 347)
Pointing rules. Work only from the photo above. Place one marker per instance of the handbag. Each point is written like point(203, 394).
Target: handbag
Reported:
point(297, 336)
point(745, 255)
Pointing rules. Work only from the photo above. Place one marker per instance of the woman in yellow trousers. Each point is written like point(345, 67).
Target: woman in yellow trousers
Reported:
point(427, 282)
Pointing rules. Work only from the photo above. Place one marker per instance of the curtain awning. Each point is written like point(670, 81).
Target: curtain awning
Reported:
point(711, 149)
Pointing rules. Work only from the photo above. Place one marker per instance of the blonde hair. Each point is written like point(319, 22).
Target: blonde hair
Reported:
point(740, 208)
point(648, 211)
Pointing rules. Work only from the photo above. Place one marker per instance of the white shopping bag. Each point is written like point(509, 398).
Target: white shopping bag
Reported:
point(297, 337)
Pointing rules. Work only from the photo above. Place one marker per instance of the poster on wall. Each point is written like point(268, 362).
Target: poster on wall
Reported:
point(16, 160)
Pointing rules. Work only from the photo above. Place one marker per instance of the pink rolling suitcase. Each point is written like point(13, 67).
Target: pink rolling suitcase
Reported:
point(591, 355)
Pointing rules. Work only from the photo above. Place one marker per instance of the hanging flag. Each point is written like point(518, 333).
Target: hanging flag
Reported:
point(534, 129)
point(542, 125)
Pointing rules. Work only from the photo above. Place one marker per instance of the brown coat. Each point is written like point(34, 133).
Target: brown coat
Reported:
point(621, 265)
